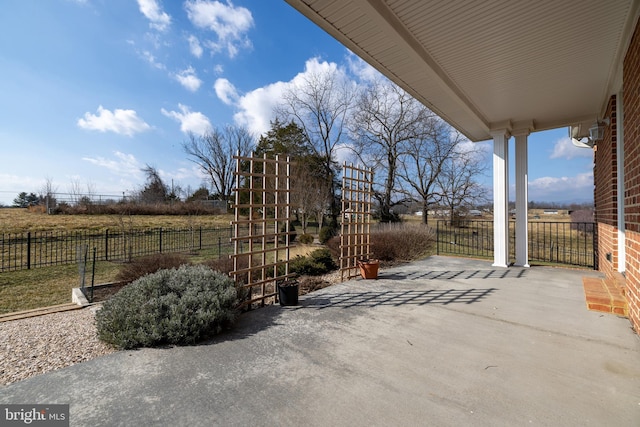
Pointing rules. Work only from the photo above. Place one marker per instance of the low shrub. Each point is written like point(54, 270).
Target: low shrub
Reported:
point(177, 306)
point(316, 263)
point(401, 242)
point(333, 244)
point(305, 239)
point(327, 233)
point(132, 208)
point(149, 264)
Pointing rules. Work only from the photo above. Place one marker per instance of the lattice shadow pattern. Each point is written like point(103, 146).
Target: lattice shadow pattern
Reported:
point(399, 298)
point(458, 274)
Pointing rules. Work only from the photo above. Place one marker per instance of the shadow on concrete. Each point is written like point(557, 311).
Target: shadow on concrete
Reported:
point(247, 324)
point(461, 274)
point(398, 298)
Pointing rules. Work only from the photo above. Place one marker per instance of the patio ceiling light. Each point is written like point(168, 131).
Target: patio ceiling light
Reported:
point(596, 131)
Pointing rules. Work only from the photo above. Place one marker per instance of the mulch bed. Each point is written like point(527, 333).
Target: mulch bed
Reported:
point(102, 293)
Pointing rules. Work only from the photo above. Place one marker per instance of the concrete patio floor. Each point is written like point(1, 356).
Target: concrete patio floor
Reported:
point(443, 341)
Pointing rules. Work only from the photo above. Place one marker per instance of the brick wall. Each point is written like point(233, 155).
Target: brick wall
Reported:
point(631, 105)
point(605, 194)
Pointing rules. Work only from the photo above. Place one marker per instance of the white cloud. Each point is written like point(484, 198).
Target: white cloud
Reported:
point(194, 46)
point(124, 165)
point(148, 56)
point(566, 188)
point(190, 121)
point(256, 108)
point(228, 22)
point(123, 122)
point(160, 20)
point(344, 154)
point(361, 69)
point(564, 149)
point(218, 69)
point(188, 79)
point(226, 91)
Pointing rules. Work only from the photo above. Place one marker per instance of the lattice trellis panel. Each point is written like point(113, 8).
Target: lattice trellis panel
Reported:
point(357, 187)
point(262, 226)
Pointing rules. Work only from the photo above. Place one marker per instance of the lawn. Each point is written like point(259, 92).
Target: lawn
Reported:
point(46, 286)
point(40, 287)
point(18, 220)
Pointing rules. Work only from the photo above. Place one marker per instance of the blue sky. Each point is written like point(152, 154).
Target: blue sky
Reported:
point(92, 90)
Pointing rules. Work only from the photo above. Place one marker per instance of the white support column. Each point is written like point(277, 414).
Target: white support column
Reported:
point(622, 249)
point(500, 198)
point(522, 198)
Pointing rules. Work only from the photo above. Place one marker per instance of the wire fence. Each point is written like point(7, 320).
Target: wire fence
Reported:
point(20, 251)
point(566, 243)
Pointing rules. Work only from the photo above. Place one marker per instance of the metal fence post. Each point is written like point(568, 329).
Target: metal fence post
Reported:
point(28, 250)
point(106, 244)
point(437, 237)
point(219, 247)
point(160, 238)
point(200, 242)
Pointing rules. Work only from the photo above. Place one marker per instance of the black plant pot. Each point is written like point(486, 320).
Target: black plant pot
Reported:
point(288, 295)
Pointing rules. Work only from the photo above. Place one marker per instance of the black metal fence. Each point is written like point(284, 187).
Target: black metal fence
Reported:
point(567, 243)
point(19, 251)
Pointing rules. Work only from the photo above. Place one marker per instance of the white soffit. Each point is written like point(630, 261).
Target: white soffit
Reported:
point(487, 64)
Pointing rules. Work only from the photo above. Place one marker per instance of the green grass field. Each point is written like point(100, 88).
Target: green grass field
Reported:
point(45, 286)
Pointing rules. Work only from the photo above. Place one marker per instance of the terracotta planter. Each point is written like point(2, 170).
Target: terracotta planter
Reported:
point(369, 269)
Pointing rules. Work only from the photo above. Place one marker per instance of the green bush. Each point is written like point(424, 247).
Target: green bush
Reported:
point(149, 264)
point(327, 233)
point(305, 239)
point(178, 306)
point(316, 263)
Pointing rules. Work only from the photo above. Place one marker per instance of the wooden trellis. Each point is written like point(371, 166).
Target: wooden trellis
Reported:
point(357, 189)
point(261, 226)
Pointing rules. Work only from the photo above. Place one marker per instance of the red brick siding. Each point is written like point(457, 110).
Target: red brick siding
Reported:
point(632, 274)
point(631, 105)
point(606, 192)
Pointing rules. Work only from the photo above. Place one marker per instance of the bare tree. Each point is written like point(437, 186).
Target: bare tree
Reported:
point(423, 159)
point(49, 193)
point(320, 105)
point(91, 191)
point(385, 120)
point(457, 181)
point(311, 193)
point(213, 153)
point(75, 190)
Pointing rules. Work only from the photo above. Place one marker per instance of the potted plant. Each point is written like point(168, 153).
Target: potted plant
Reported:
point(288, 292)
point(369, 268)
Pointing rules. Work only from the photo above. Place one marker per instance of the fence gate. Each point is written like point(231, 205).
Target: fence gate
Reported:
point(356, 219)
point(261, 226)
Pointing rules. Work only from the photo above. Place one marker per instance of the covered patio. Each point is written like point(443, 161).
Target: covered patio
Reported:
point(442, 341)
point(493, 69)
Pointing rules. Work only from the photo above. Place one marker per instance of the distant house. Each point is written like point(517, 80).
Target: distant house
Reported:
point(551, 211)
point(475, 212)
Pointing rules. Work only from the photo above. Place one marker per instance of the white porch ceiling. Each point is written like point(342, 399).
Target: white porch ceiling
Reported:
point(490, 64)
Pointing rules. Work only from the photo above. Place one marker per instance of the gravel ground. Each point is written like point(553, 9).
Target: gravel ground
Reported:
point(41, 344)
